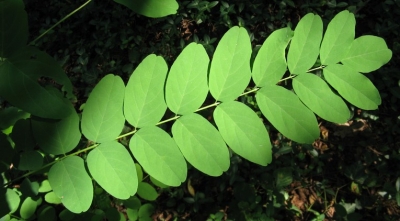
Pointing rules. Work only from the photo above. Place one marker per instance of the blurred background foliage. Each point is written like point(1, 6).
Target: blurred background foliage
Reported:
point(350, 173)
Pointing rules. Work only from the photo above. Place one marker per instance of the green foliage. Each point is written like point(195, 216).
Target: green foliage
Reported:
point(144, 103)
point(107, 164)
point(105, 102)
point(230, 68)
point(159, 155)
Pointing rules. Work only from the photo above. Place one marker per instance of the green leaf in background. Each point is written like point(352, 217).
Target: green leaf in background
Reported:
point(28, 208)
point(22, 135)
point(19, 83)
point(9, 202)
point(144, 103)
point(30, 160)
point(186, 87)
point(13, 28)
point(147, 191)
point(201, 144)
point(367, 53)
point(304, 48)
point(102, 117)
point(159, 155)
point(10, 115)
point(57, 137)
point(151, 8)
point(52, 198)
point(139, 172)
point(44, 186)
point(270, 63)
point(72, 184)
point(287, 114)
point(29, 188)
point(318, 96)
point(111, 165)
point(230, 67)
point(145, 211)
point(46, 213)
point(338, 37)
point(353, 86)
point(244, 132)
point(7, 152)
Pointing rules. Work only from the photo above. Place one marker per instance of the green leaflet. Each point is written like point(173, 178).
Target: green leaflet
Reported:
point(304, 48)
point(186, 87)
point(159, 155)
point(28, 208)
point(244, 132)
point(147, 191)
point(10, 202)
point(201, 144)
point(230, 68)
point(13, 28)
point(72, 184)
point(102, 117)
point(145, 211)
point(367, 53)
point(151, 8)
point(144, 103)
point(270, 63)
point(111, 165)
point(19, 83)
point(57, 137)
point(287, 114)
point(353, 86)
point(338, 37)
point(318, 96)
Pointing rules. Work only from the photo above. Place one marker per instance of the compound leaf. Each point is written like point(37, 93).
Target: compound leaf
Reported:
point(318, 96)
point(159, 155)
point(19, 83)
point(13, 28)
point(151, 8)
point(230, 68)
point(287, 114)
point(102, 117)
point(244, 132)
point(186, 87)
point(57, 137)
point(338, 37)
point(201, 144)
point(353, 86)
point(270, 63)
point(70, 182)
point(367, 53)
point(111, 165)
point(304, 48)
point(144, 103)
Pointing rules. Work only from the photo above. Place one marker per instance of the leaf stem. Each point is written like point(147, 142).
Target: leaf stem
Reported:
point(59, 22)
